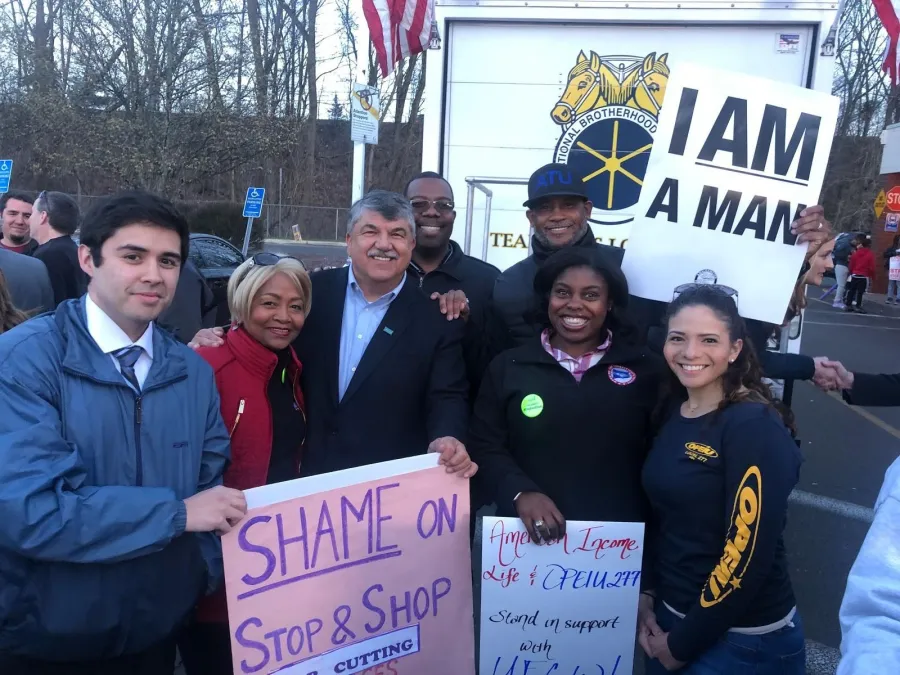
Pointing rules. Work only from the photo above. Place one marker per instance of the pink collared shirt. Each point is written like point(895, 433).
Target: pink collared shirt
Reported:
point(580, 365)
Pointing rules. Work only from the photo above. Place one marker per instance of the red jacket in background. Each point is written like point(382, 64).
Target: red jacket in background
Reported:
point(862, 262)
point(243, 369)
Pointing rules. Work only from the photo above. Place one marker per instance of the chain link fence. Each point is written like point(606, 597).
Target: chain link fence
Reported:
point(278, 221)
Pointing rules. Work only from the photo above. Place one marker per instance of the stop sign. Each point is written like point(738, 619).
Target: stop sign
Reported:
point(893, 199)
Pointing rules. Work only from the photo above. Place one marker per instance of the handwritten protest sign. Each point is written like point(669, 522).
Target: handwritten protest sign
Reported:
point(735, 160)
point(359, 571)
point(567, 608)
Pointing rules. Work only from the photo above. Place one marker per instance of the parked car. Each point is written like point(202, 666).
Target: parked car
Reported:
point(217, 260)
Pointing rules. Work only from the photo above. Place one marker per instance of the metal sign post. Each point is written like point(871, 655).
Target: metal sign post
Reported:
point(6, 166)
point(253, 204)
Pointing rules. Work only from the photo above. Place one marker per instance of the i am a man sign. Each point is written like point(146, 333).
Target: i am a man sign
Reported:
point(735, 160)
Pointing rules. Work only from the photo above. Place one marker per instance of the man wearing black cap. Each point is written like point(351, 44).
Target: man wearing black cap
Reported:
point(558, 210)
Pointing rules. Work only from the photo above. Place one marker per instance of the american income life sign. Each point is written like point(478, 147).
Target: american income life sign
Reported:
point(567, 608)
point(735, 160)
point(359, 571)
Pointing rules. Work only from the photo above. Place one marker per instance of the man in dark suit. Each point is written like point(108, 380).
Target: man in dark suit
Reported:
point(383, 370)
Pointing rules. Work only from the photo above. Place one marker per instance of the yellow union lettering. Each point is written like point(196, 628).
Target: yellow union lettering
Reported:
point(732, 552)
point(722, 573)
point(749, 505)
point(743, 534)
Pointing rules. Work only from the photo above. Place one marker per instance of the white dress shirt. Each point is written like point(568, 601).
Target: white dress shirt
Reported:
point(110, 338)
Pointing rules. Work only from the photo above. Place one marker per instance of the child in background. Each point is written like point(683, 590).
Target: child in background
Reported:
point(862, 271)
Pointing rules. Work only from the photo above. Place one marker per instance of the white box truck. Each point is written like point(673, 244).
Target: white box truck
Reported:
point(518, 84)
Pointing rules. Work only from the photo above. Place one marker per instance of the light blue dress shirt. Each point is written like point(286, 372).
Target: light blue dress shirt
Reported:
point(361, 320)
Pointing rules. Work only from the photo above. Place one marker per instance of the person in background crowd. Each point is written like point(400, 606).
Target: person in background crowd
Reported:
point(258, 377)
point(841, 270)
point(870, 609)
point(862, 273)
point(893, 292)
point(54, 219)
point(462, 284)
point(15, 211)
point(383, 371)
point(27, 281)
point(192, 308)
point(10, 315)
point(112, 449)
point(534, 426)
point(721, 603)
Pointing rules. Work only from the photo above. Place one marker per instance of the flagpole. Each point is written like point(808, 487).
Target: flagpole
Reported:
point(361, 75)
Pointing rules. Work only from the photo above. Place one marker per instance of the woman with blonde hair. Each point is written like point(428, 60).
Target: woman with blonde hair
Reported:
point(258, 378)
point(10, 316)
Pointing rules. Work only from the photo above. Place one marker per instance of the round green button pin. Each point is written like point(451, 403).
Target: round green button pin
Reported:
point(532, 405)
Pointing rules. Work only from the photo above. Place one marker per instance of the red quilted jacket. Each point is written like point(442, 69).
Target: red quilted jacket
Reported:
point(243, 368)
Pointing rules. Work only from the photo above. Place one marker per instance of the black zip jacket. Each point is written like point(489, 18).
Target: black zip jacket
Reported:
point(585, 447)
point(874, 390)
point(475, 278)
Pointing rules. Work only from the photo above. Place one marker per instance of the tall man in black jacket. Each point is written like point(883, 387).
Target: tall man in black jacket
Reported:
point(439, 267)
point(383, 372)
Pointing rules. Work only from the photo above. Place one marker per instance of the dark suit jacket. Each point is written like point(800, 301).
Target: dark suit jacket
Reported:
point(409, 388)
point(874, 390)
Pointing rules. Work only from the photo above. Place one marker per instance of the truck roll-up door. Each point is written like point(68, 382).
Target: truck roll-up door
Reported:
point(509, 107)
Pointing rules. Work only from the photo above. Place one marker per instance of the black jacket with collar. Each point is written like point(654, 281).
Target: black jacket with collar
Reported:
point(586, 446)
point(476, 279)
point(408, 389)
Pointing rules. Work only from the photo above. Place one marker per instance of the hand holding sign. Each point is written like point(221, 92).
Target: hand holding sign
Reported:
point(811, 226)
point(540, 516)
point(454, 456)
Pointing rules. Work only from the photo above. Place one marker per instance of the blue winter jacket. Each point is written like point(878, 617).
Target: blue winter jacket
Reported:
point(94, 560)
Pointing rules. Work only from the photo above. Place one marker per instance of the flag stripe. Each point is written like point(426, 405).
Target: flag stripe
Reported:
point(399, 29)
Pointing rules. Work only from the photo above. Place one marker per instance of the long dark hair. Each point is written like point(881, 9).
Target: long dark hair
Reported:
point(742, 381)
point(618, 321)
point(10, 316)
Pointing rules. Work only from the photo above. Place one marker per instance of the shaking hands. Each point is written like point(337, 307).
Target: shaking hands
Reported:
point(831, 375)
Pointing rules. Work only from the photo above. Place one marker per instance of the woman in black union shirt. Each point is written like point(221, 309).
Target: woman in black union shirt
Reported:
point(724, 462)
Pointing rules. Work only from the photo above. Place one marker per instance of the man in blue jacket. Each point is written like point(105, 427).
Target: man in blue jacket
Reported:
point(112, 450)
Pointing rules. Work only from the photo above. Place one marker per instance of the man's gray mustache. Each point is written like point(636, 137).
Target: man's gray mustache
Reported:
point(384, 254)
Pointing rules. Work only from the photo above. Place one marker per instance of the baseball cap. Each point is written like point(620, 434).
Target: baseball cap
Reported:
point(555, 180)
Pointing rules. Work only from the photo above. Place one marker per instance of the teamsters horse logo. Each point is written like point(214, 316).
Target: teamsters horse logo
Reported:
point(608, 113)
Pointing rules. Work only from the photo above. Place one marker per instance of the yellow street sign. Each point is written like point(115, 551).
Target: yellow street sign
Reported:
point(880, 202)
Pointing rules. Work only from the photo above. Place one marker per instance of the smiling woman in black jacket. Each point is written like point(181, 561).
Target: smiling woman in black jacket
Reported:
point(562, 423)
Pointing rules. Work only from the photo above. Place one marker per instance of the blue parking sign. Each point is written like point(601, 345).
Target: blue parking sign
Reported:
point(5, 174)
point(254, 202)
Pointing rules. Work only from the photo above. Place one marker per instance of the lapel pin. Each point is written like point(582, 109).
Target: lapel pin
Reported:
point(388, 331)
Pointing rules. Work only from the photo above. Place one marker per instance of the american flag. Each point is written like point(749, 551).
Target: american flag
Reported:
point(887, 14)
point(399, 29)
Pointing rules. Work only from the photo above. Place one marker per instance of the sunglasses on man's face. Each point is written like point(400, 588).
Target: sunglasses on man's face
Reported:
point(440, 205)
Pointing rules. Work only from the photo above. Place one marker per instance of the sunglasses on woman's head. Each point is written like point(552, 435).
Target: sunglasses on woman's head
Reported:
point(264, 259)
